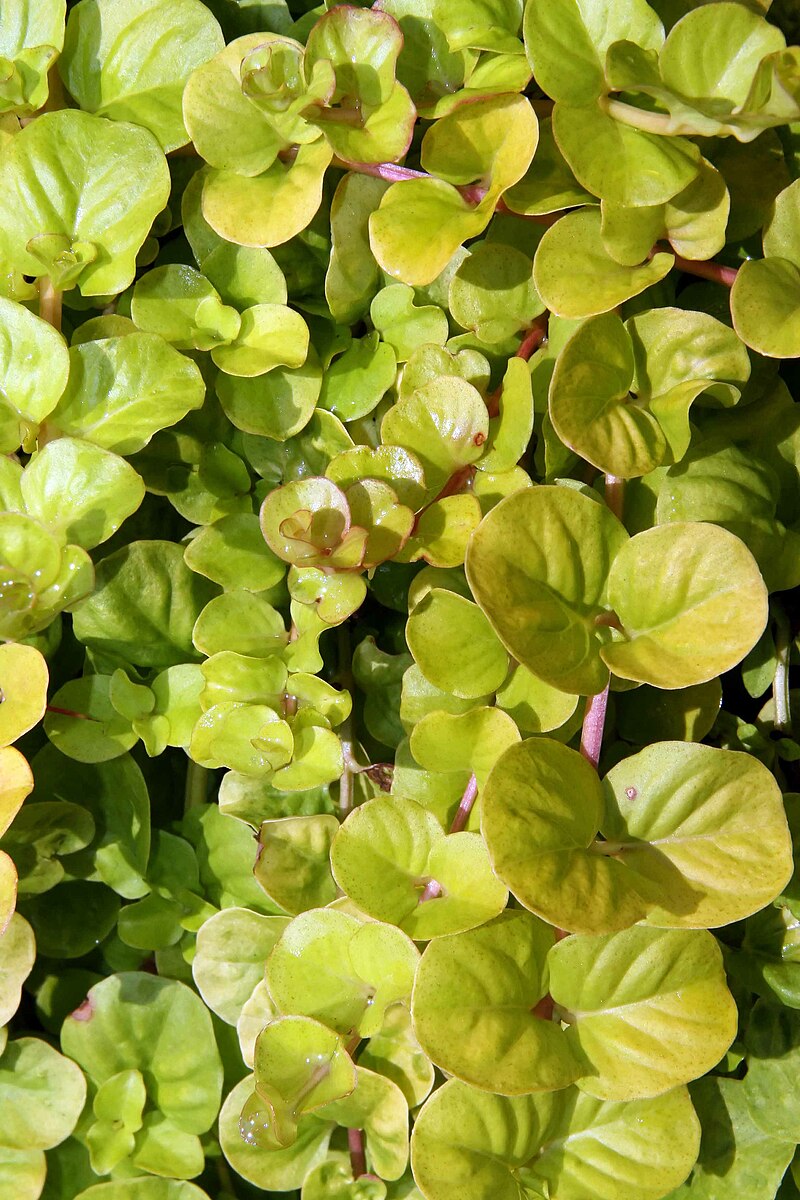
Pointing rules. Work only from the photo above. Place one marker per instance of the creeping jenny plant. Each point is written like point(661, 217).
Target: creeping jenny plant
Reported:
point(399, 562)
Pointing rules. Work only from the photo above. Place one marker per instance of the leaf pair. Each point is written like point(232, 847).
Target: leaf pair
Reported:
point(571, 596)
point(645, 1010)
point(692, 836)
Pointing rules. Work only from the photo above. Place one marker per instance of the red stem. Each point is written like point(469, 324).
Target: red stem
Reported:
point(593, 722)
point(68, 712)
point(358, 1157)
point(716, 272)
point(615, 495)
point(533, 338)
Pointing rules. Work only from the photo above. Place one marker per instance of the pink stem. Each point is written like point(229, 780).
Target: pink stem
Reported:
point(593, 722)
point(533, 338)
point(465, 806)
point(68, 712)
point(433, 891)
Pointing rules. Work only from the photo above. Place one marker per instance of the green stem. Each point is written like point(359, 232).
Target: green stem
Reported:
point(780, 683)
point(638, 118)
point(196, 786)
point(50, 302)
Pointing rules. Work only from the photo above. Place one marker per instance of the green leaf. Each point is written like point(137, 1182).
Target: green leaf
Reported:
point(474, 1008)
point(491, 140)
point(357, 381)
point(734, 1153)
point(534, 706)
point(181, 305)
point(353, 275)
point(124, 389)
point(566, 1143)
point(622, 165)
point(33, 360)
point(233, 553)
point(144, 1188)
point(539, 840)
point(393, 1051)
point(696, 809)
point(134, 1021)
point(377, 1106)
point(271, 335)
point(740, 41)
point(444, 424)
point(704, 607)
point(632, 413)
point(332, 967)
point(23, 688)
point(719, 482)
point(80, 491)
point(492, 292)
point(300, 1066)
point(548, 185)
point(131, 63)
point(267, 1167)
point(772, 1044)
point(84, 230)
point(17, 957)
point(292, 865)
point(84, 725)
point(144, 606)
point(765, 302)
point(404, 325)
point(454, 645)
point(272, 207)
point(467, 743)
point(232, 948)
point(577, 277)
point(115, 794)
point(275, 406)
point(42, 1095)
point(547, 551)
point(647, 1009)
point(566, 42)
point(32, 35)
point(389, 849)
point(241, 622)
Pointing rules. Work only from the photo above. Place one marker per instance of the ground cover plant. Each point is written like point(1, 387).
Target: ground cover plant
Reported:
point(399, 554)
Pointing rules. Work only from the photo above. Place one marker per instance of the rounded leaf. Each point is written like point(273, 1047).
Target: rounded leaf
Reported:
point(538, 565)
point(454, 645)
point(23, 690)
point(232, 948)
point(703, 608)
point(577, 277)
point(389, 849)
point(34, 362)
point(540, 811)
point(130, 62)
point(474, 1008)
point(569, 1143)
point(647, 1009)
point(84, 226)
point(708, 825)
point(135, 1021)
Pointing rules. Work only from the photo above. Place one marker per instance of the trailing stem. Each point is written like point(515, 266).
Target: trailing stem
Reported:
point(358, 1156)
point(594, 717)
point(780, 683)
point(594, 720)
point(345, 678)
point(465, 806)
